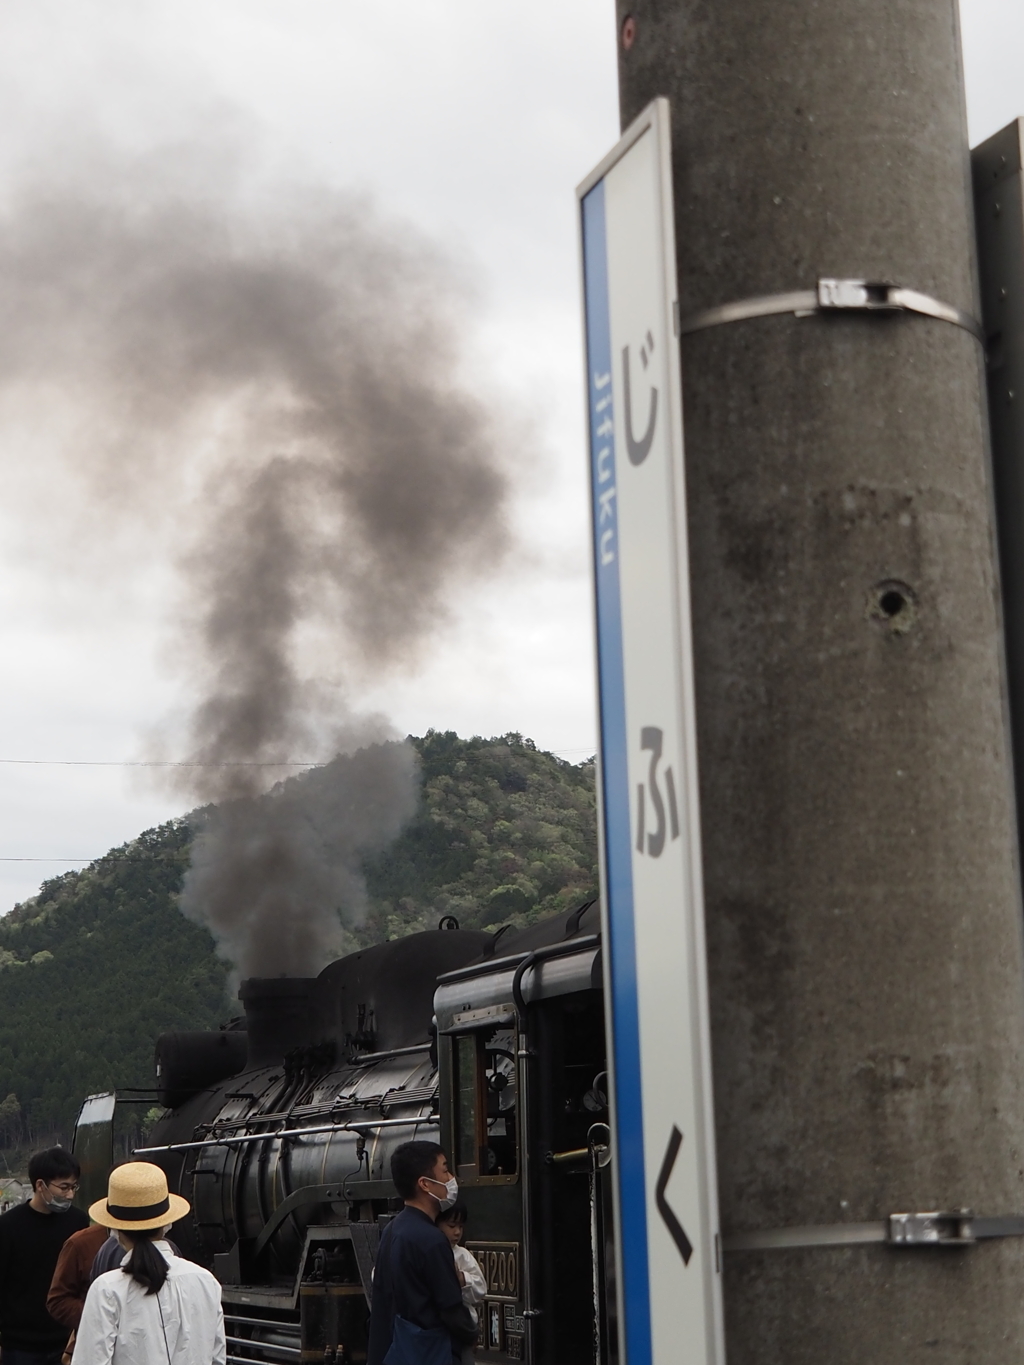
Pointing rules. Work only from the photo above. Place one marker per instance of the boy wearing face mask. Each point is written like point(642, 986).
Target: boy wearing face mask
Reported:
point(418, 1316)
point(31, 1237)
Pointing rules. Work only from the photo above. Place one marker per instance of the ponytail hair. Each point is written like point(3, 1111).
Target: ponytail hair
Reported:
point(146, 1265)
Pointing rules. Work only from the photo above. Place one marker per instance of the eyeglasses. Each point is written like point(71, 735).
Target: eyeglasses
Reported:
point(64, 1187)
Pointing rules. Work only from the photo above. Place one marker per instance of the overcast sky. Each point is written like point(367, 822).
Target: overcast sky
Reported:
point(470, 120)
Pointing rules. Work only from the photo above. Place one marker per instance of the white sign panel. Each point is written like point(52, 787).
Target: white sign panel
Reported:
point(655, 969)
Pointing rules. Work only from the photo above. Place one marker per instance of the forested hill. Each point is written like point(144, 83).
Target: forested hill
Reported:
point(100, 962)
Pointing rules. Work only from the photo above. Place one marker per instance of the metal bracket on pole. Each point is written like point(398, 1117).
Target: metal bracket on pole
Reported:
point(956, 1228)
point(830, 296)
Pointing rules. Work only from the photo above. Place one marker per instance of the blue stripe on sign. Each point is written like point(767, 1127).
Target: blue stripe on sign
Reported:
point(618, 841)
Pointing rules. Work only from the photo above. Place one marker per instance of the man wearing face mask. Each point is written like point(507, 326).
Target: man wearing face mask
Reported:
point(31, 1237)
point(418, 1316)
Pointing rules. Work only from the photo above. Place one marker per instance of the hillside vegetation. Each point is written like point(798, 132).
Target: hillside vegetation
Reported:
point(100, 962)
point(506, 835)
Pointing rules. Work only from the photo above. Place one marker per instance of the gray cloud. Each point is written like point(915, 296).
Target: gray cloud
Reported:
point(284, 384)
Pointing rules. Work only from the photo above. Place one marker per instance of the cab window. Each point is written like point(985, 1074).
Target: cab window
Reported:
point(484, 1086)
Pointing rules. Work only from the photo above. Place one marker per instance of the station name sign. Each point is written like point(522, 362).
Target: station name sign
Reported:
point(669, 1281)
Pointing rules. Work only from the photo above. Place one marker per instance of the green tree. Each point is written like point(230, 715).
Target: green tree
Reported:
point(506, 834)
point(10, 1120)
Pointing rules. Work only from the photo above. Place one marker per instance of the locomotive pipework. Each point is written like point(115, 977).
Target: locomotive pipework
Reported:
point(283, 1152)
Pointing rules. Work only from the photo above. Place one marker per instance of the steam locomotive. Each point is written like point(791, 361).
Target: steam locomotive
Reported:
point(279, 1128)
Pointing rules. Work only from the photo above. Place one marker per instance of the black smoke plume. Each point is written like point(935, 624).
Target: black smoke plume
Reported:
point(292, 857)
point(281, 381)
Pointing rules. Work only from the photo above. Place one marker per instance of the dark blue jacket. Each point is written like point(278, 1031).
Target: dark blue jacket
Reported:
point(414, 1276)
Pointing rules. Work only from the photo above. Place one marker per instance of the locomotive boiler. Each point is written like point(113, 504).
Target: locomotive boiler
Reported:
point(279, 1127)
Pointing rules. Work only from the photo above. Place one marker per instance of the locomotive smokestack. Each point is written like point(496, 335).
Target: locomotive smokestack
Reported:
point(278, 1017)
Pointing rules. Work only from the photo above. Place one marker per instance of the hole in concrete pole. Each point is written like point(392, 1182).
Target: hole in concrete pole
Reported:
point(892, 602)
point(893, 605)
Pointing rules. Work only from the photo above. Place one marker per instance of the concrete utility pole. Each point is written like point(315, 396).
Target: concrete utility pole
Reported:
point(863, 901)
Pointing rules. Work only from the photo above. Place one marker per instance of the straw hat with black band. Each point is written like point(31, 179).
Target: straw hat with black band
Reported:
point(137, 1199)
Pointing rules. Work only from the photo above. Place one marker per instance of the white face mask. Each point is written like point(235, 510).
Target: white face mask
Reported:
point(58, 1204)
point(451, 1192)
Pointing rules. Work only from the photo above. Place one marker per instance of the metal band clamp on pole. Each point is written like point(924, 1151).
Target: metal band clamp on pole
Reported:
point(959, 1227)
point(831, 296)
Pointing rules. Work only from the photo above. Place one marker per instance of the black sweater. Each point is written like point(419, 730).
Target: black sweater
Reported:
point(30, 1243)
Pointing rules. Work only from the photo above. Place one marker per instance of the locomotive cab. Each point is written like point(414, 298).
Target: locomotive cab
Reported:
point(521, 1051)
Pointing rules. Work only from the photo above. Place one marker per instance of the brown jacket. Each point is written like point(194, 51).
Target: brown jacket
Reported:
point(70, 1283)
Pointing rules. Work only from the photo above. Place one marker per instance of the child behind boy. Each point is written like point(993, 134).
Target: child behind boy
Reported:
point(452, 1223)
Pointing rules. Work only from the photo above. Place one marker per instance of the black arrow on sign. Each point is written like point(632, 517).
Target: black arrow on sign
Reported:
point(671, 1221)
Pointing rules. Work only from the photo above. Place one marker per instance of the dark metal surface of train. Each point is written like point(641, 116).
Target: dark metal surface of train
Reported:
point(279, 1129)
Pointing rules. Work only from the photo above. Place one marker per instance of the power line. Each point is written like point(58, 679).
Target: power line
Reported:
point(189, 763)
point(159, 763)
point(104, 858)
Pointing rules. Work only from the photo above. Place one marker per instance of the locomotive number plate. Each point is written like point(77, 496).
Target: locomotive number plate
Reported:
point(499, 1262)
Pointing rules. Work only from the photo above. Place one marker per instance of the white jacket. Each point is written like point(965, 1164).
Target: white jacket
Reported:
point(475, 1289)
point(122, 1325)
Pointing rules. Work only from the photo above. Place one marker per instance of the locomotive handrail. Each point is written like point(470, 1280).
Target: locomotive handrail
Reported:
point(541, 955)
point(576, 1154)
point(274, 1133)
point(504, 964)
point(494, 964)
point(369, 1057)
point(285, 1328)
point(286, 1352)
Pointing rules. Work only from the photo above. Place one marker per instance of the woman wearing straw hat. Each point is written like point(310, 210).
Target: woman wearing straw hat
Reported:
point(158, 1309)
